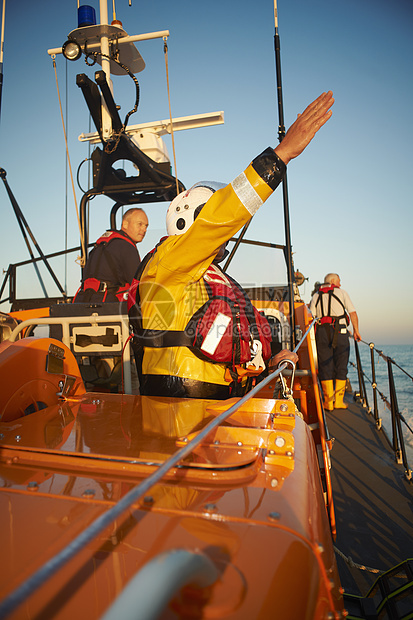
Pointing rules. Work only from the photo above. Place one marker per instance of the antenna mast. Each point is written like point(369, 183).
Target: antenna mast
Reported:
point(281, 133)
point(3, 19)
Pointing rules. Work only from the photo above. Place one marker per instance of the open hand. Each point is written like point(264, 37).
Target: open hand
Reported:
point(303, 130)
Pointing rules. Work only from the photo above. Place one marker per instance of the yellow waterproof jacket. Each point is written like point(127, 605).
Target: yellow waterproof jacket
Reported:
point(172, 288)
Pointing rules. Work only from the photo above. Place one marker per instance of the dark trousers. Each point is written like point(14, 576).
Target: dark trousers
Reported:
point(332, 362)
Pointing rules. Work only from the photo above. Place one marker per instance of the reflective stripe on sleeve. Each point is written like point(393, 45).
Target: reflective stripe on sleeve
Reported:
point(246, 193)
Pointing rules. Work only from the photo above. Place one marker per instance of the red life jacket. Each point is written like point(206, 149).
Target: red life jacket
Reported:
point(222, 330)
point(226, 325)
point(99, 286)
point(109, 235)
point(328, 318)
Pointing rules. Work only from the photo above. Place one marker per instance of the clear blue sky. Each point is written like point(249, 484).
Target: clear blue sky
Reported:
point(350, 192)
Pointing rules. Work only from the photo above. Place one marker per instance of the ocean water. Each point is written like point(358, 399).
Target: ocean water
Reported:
point(403, 356)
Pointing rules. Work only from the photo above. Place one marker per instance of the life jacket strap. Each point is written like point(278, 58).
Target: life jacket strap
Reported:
point(100, 286)
point(97, 285)
point(159, 339)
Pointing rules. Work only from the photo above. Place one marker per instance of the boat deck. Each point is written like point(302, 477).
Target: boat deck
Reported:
point(373, 499)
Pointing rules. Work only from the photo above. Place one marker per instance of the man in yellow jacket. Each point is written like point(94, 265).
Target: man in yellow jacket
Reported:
point(173, 283)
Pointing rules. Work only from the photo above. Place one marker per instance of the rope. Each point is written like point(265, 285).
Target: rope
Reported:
point(352, 564)
point(382, 396)
point(79, 259)
point(394, 364)
point(386, 357)
point(165, 50)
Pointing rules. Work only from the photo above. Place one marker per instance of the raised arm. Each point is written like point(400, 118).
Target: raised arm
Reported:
point(303, 130)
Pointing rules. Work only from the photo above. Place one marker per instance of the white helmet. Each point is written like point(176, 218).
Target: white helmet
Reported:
point(185, 208)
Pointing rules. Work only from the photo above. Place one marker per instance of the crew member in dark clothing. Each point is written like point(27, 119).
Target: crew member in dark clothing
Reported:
point(113, 261)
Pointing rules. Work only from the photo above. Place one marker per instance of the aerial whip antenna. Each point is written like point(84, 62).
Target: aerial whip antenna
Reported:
point(281, 134)
point(3, 18)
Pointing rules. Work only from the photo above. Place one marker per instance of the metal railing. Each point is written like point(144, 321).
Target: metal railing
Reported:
point(10, 277)
point(396, 441)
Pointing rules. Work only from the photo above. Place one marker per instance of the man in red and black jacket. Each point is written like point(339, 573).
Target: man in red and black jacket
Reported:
point(113, 261)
